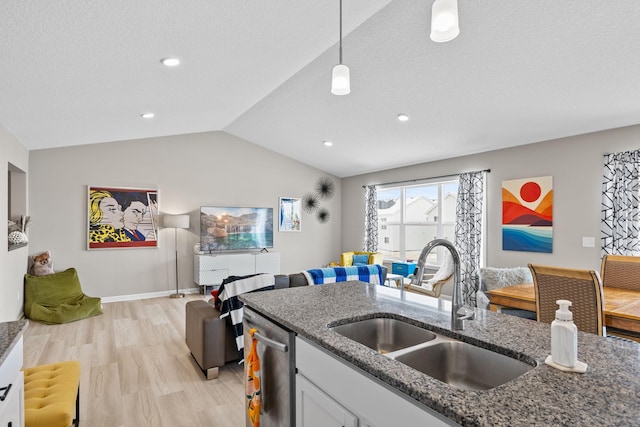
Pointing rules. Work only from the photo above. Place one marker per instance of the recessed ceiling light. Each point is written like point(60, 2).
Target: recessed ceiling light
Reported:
point(147, 115)
point(403, 117)
point(171, 62)
point(327, 143)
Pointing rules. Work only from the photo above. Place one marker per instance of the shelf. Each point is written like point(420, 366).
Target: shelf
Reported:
point(18, 246)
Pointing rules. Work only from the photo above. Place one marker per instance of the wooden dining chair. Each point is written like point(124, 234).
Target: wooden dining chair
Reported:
point(621, 271)
point(582, 287)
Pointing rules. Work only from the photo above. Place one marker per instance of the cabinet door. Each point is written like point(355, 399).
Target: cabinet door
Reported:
point(362, 394)
point(209, 270)
point(268, 263)
point(11, 408)
point(315, 409)
point(211, 262)
point(213, 277)
point(241, 264)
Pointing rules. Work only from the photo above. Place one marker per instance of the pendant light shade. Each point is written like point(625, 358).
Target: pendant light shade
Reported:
point(444, 20)
point(340, 76)
point(340, 81)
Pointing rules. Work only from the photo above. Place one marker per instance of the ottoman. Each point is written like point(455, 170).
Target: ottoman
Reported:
point(208, 339)
point(52, 395)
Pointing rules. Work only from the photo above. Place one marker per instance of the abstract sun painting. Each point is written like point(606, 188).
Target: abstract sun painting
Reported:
point(527, 214)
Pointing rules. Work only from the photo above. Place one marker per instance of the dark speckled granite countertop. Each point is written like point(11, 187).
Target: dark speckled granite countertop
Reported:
point(10, 333)
point(608, 394)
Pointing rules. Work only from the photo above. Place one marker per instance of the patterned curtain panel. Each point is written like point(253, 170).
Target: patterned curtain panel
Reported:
point(370, 219)
point(620, 194)
point(468, 232)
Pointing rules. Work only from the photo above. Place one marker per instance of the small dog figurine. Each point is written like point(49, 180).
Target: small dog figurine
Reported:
point(42, 264)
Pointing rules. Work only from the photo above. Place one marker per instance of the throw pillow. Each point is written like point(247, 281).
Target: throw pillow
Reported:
point(361, 259)
point(494, 278)
point(42, 264)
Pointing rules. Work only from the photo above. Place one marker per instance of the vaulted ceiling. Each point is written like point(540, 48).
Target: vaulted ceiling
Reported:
point(80, 72)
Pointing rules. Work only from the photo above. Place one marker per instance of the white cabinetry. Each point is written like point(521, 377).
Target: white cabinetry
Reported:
point(12, 388)
point(366, 398)
point(209, 270)
point(316, 409)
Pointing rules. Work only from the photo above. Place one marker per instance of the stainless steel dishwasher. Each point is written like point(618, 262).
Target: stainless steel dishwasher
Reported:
point(277, 369)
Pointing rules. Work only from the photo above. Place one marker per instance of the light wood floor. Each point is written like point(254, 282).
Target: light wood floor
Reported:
point(136, 369)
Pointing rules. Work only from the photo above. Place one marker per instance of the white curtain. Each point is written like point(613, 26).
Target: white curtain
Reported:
point(468, 232)
point(620, 211)
point(370, 219)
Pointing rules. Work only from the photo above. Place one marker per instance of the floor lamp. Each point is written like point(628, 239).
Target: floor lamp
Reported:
point(176, 221)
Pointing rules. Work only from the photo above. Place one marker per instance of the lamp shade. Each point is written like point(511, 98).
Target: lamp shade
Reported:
point(444, 20)
point(340, 80)
point(175, 221)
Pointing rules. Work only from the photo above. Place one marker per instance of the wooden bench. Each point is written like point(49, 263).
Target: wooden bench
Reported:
point(52, 395)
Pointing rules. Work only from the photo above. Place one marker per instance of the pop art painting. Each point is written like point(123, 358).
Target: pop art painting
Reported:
point(122, 218)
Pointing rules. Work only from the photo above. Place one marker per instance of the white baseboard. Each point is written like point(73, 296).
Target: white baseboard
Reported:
point(133, 297)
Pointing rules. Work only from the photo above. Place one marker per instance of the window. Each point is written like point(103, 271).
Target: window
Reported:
point(414, 215)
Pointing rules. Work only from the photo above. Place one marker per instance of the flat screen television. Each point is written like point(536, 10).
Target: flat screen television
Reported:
point(235, 228)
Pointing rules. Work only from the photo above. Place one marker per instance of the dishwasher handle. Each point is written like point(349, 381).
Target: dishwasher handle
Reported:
point(261, 338)
point(271, 343)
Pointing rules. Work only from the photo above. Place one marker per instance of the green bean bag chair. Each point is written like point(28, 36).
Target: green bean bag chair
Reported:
point(58, 298)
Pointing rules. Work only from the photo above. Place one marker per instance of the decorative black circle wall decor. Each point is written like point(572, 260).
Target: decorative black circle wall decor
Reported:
point(310, 203)
point(323, 215)
point(325, 188)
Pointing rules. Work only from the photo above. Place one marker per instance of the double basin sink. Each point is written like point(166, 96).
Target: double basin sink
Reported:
point(451, 361)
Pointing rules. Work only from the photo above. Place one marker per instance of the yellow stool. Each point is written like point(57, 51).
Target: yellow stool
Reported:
point(52, 395)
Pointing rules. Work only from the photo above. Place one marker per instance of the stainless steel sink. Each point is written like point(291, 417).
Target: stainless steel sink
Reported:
point(385, 335)
point(463, 365)
point(451, 361)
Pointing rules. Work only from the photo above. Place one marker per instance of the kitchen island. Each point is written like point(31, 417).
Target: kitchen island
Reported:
point(607, 394)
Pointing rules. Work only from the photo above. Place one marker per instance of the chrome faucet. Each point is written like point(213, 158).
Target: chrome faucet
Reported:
point(458, 311)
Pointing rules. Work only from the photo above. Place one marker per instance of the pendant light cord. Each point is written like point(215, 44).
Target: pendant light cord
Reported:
point(341, 31)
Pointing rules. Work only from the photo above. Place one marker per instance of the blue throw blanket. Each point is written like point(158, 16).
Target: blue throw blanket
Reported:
point(365, 273)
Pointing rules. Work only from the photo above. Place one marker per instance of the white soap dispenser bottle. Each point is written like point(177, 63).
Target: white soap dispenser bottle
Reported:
point(564, 337)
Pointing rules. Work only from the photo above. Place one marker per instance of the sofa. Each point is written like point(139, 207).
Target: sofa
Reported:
point(211, 339)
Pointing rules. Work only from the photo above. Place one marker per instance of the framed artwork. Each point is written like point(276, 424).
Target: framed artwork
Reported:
point(122, 218)
point(527, 214)
point(289, 216)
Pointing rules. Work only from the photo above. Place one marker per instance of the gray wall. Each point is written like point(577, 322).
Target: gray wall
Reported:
point(216, 168)
point(209, 169)
point(576, 166)
point(13, 264)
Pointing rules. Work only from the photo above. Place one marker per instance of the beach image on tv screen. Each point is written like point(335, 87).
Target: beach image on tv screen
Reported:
point(232, 228)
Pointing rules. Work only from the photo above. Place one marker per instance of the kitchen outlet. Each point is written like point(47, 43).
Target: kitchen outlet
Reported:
point(588, 242)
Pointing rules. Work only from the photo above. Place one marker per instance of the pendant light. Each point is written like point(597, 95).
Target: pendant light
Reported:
point(340, 79)
point(444, 20)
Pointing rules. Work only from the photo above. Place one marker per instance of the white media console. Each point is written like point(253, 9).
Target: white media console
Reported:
point(210, 269)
